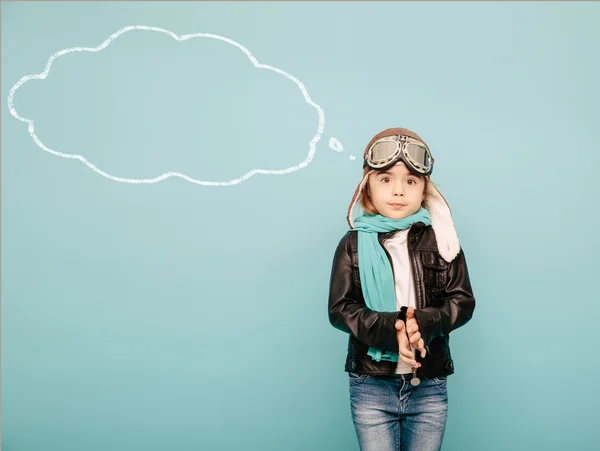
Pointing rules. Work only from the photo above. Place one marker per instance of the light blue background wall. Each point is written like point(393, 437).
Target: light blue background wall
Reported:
point(183, 317)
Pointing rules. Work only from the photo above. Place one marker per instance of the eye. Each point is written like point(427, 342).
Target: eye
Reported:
point(412, 182)
point(385, 179)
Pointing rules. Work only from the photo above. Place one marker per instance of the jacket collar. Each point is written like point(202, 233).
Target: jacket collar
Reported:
point(414, 231)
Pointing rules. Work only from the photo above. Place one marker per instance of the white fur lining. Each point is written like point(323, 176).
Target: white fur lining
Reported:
point(442, 224)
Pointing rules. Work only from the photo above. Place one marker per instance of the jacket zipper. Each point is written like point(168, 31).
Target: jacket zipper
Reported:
point(420, 300)
point(411, 256)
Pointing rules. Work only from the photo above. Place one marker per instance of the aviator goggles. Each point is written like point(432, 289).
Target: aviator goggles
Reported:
point(386, 152)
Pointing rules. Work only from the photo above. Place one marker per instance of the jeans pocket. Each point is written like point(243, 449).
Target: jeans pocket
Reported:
point(440, 383)
point(357, 378)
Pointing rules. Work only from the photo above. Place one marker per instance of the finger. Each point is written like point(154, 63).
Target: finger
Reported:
point(409, 362)
point(414, 336)
point(402, 340)
point(406, 352)
point(410, 312)
point(412, 325)
point(414, 339)
point(400, 326)
point(403, 346)
point(406, 355)
point(421, 347)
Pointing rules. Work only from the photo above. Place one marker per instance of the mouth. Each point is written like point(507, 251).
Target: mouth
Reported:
point(397, 205)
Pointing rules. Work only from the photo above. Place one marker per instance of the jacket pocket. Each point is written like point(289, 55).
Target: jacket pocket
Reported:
point(435, 270)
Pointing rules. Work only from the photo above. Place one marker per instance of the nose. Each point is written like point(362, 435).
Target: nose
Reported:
point(398, 188)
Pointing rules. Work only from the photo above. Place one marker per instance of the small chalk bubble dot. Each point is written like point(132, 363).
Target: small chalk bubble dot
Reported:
point(352, 157)
point(336, 145)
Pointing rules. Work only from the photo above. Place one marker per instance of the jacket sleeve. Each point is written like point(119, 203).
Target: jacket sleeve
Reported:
point(348, 314)
point(457, 306)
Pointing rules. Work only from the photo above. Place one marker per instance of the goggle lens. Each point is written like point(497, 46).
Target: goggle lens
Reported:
point(419, 155)
point(383, 152)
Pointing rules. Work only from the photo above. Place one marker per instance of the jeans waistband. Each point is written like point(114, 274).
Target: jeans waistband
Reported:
point(406, 376)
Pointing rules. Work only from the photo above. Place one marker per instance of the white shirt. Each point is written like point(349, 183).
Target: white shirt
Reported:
point(404, 285)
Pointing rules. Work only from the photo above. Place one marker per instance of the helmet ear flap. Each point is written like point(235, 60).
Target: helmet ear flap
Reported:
point(442, 223)
point(357, 195)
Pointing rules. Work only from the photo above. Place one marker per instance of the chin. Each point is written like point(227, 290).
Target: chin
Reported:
point(399, 214)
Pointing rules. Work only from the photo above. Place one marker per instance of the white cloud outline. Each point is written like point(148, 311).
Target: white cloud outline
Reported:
point(112, 37)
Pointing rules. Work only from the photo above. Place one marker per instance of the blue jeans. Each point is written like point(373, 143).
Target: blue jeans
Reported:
point(389, 414)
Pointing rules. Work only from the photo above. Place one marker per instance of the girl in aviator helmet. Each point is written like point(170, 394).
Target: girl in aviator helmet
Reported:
point(399, 286)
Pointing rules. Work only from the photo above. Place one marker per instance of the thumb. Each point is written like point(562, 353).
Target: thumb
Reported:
point(400, 325)
point(410, 312)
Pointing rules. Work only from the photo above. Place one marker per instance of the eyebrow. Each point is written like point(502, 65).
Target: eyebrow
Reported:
point(410, 174)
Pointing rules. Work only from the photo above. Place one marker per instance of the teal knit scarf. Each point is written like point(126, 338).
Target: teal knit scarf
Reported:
point(376, 276)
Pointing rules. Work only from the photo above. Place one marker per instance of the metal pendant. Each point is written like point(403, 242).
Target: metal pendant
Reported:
point(415, 380)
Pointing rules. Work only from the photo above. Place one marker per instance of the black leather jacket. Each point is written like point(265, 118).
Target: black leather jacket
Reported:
point(444, 302)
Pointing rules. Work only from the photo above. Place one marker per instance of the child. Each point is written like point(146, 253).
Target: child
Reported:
point(399, 286)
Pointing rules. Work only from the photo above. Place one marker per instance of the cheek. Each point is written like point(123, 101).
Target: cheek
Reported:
point(375, 192)
point(419, 190)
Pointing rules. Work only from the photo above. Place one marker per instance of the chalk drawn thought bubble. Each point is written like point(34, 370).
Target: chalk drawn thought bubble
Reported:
point(333, 142)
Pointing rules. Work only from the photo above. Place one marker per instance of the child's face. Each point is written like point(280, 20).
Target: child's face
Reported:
point(396, 193)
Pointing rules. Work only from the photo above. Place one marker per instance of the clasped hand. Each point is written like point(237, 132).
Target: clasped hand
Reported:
point(408, 334)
